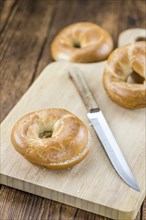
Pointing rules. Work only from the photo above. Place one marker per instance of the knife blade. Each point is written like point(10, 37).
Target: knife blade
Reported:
point(102, 129)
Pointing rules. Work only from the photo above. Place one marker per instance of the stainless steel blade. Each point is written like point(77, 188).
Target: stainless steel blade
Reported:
point(102, 129)
point(112, 149)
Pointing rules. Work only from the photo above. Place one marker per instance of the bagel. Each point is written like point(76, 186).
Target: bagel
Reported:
point(82, 42)
point(52, 138)
point(123, 62)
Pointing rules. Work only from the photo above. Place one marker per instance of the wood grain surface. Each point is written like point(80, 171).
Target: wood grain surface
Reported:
point(84, 185)
point(27, 29)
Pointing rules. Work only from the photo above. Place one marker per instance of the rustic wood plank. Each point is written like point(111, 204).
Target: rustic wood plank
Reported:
point(6, 10)
point(131, 14)
point(99, 15)
point(108, 20)
point(143, 211)
point(115, 16)
point(15, 204)
point(23, 206)
point(66, 14)
point(21, 49)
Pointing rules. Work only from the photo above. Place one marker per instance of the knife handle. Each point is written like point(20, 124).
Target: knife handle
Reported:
point(83, 89)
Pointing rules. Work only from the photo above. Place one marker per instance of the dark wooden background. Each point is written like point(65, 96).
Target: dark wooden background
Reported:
point(27, 29)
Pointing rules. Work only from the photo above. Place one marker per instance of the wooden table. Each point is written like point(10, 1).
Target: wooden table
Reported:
point(27, 29)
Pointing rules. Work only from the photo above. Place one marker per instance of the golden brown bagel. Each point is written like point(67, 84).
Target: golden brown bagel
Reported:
point(51, 138)
point(121, 63)
point(82, 42)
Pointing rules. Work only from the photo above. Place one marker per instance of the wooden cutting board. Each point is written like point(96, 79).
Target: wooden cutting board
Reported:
point(92, 185)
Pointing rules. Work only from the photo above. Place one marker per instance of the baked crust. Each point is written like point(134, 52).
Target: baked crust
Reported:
point(121, 63)
point(67, 144)
point(82, 42)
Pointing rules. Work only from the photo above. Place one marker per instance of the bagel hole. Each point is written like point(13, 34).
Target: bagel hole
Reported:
point(141, 39)
point(135, 78)
point(76, 44)
point(45, 134)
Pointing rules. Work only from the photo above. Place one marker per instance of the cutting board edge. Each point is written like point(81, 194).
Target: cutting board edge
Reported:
point(27, 91)
point(70, 200)
point(121, 214)
point(42, 73)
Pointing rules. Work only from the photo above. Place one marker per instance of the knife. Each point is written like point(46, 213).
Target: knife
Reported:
point(102, 129)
